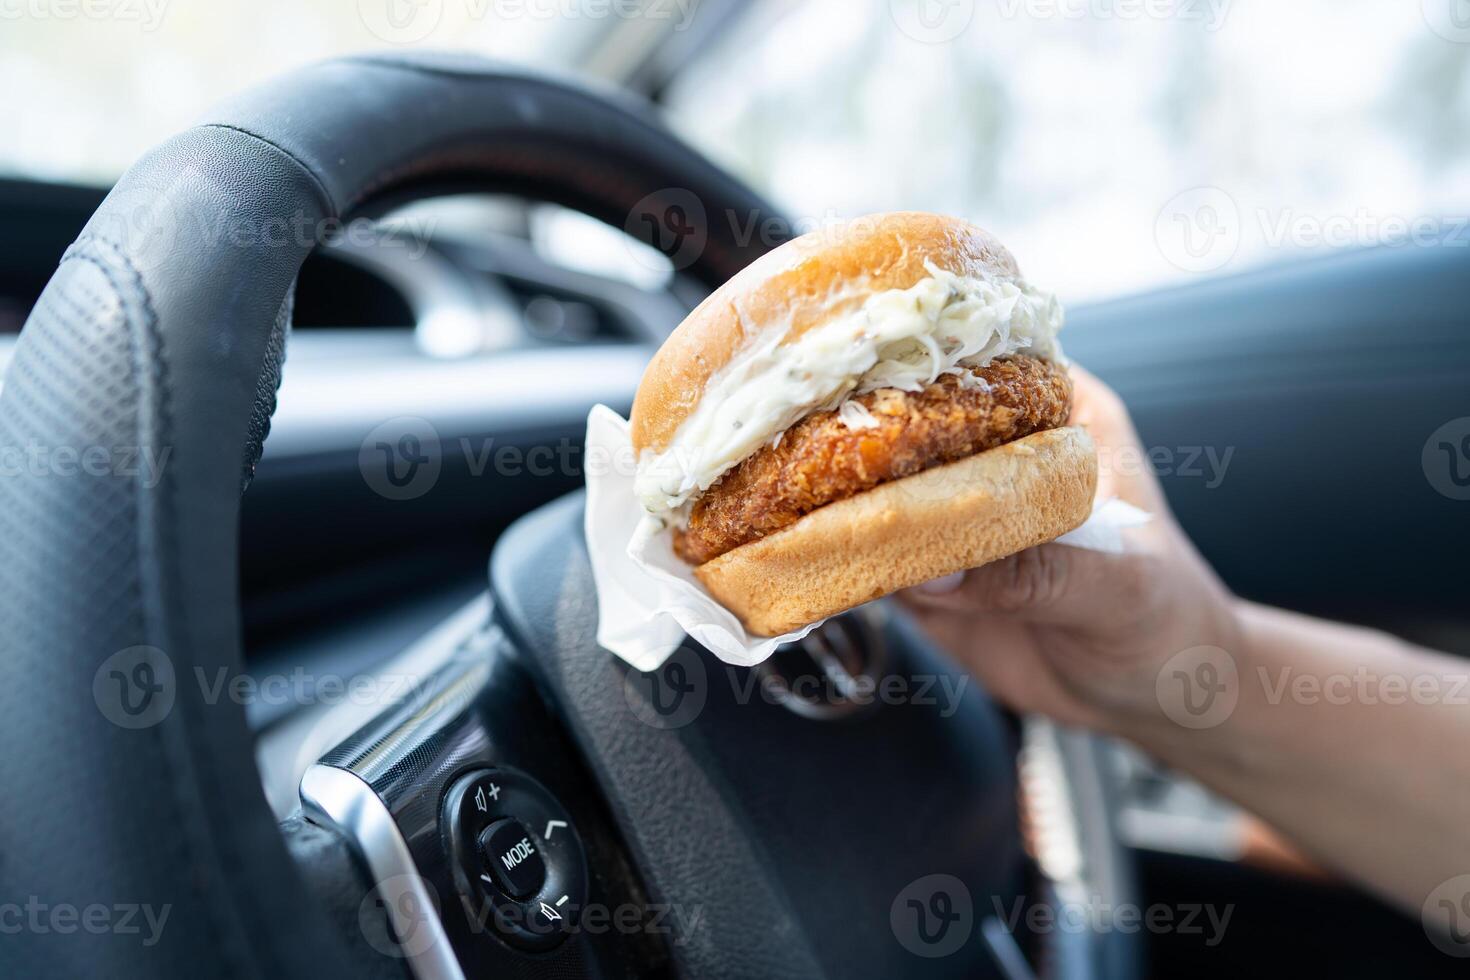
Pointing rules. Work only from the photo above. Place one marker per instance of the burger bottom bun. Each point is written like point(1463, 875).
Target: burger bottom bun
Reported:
point(908, 531)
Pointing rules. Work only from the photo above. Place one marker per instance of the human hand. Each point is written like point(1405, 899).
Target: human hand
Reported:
point(1081, 635)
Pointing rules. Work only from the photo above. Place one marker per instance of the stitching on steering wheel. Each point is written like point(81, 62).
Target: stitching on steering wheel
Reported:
point(330, 206)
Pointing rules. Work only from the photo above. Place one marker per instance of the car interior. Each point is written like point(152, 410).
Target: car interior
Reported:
point(340, 529)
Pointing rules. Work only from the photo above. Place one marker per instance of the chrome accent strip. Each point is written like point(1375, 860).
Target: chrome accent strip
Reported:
point(446, 695)
point(342, 800)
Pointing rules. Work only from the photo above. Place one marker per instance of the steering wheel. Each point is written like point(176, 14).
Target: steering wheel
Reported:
point(127, 787)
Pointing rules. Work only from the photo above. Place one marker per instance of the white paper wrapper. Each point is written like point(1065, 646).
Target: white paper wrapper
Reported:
point(647, 599)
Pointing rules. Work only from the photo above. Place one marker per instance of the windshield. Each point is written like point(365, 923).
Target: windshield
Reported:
point(1115, 145)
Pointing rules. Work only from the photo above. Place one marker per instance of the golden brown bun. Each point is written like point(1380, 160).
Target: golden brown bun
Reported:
point(803, 284)
point(903, 533)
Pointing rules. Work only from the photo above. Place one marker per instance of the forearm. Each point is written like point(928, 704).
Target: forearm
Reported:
point(1350, 742)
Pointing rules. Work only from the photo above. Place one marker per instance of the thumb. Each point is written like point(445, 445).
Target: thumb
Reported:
point(1054, 584)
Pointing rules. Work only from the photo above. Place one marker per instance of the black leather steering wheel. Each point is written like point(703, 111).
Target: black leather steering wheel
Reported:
point(160, 339)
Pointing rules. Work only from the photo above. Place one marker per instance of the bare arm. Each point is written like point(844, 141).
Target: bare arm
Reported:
point(1353, 744)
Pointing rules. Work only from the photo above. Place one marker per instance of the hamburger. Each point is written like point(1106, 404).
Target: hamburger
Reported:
point(859, 411)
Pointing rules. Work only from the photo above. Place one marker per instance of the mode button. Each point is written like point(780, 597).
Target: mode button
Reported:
point(513, 858)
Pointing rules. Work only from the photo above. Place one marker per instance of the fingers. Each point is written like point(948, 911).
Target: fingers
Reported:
point(1123, 467)
point(942, 585)
point(1053, 584)
point(1000, 652)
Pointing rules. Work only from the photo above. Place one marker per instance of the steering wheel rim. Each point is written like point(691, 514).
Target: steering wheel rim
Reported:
point(160, 341)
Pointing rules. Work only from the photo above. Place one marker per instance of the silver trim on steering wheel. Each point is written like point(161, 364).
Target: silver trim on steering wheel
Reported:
point(342, 800)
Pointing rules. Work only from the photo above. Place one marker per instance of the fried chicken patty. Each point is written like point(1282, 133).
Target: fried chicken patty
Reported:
point(821, 459)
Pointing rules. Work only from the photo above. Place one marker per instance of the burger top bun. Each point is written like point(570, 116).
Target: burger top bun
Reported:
point(803, 284)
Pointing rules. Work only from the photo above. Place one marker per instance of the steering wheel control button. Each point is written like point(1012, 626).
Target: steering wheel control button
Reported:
point(514, 860)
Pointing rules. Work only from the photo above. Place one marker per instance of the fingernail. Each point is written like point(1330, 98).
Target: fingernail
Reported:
point(940, 586)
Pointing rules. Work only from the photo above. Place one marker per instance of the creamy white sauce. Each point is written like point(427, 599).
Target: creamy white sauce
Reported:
point(902, 338)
